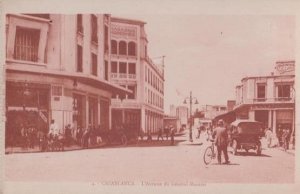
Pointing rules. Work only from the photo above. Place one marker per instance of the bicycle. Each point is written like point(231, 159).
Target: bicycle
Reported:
point(209, 153)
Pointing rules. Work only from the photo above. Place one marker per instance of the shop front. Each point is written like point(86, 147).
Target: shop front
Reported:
point(27, 106)
point(129, 118)
point(284, 120)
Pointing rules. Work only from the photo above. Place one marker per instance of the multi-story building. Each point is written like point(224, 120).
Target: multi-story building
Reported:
point(56, 69)
point(211, 111)
point(182, 113)
point(269, 99)
point(172, 110)
point(131, 68)
point(230, 105)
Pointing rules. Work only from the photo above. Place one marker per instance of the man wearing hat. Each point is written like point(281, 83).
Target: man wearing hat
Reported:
point(221, 141)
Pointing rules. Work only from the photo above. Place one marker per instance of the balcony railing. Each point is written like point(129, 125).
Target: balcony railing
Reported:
point(131, 76)
point(122, 76)
point(280, 99)
point(114, 75)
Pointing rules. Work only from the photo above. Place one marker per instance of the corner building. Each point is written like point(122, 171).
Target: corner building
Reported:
point(131, 68)
point(57, 68)
point(269, 99)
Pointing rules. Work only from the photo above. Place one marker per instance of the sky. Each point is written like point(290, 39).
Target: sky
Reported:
point(210, 54)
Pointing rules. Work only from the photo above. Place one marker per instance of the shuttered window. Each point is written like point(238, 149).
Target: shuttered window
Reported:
point(26, 44)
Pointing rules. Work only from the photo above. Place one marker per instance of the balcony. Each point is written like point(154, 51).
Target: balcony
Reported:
point(123, 76)
point(126, 103)
point(114, 75)
point(277, 100)
point(124, 57)
point(131, 76)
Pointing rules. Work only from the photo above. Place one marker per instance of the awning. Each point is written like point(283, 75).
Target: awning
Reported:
point(77, 77)
point(228, 117)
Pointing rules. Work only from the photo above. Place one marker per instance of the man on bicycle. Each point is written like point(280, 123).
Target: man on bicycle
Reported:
point(221, 140)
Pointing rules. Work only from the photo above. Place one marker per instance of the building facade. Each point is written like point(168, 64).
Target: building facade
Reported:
point(172, 110)
point(230, 105)
point(182, 113)
point(56, 69)
point(269, 99)
point(211, 111)
point(131, 68)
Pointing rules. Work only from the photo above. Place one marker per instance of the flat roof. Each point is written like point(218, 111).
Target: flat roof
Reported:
point(267, 76)
point(127, 21)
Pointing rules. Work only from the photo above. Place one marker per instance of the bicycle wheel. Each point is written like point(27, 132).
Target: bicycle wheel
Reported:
point(208, 155)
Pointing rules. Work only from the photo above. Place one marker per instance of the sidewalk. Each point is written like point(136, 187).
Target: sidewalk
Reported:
point(196, 141)
point(10, 150)
point(289, 151)
point(142, 143)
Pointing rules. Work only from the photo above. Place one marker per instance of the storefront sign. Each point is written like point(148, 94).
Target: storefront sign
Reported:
point(283, 68)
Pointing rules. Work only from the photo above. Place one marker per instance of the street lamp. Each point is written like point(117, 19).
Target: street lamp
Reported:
point(191, 99)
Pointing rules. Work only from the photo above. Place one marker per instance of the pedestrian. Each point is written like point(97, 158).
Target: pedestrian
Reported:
point(172, 135)
point(78, 135)
point(141, 134)
point(191, 134)
point(167, 131)
point(199, 132)
point(41, 138)
point(85, 138)
point(293, 140)
point(149, 137)
point(288, 138)
point(285, 135)
point(159, 136)
point(53, 130)
point(221, 140)
point(32, 136)
point(268, 135)
point(68, 134)
point(279, 132)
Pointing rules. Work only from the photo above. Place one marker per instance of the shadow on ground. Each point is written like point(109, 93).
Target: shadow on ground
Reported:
point(144, 143)
point(153, 143)
point(233, 164)
point(251, 154)
point(194, 144)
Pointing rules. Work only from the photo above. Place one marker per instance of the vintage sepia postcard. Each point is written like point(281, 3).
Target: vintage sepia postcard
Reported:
point(149, 97)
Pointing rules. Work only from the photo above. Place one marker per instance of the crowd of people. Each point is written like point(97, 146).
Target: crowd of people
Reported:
point(281, 138)
point(84, 137)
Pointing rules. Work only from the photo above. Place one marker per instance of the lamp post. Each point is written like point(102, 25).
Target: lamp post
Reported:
point(191, 99)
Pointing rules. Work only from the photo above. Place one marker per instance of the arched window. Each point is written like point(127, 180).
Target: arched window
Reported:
point(122, 48)
point(114, 47)
point(131, 49)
